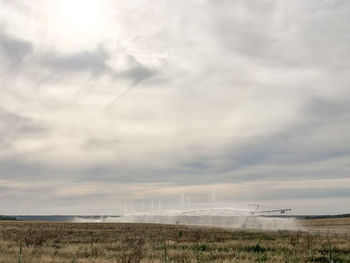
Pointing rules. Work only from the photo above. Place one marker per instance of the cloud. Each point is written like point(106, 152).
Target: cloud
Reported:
point(14, 49)
point(295, 193)
point(136, 71)
point(242, 96)
point(282, 34)
point(95, 144)
point(20, 167)
point(93, 61)
point(14, 126)
point(16, 131)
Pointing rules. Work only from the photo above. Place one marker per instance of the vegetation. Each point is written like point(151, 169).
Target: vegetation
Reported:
point(325, 216)
point(7, 218)
point(48, 242)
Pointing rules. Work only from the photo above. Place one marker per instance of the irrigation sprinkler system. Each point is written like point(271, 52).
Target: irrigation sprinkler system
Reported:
point(254, 210)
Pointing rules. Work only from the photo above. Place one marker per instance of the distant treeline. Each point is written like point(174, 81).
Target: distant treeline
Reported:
point(7, 218)
point(310, 216)
point(324, 216)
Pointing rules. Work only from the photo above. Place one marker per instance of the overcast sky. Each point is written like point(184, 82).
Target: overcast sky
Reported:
point(109, 106)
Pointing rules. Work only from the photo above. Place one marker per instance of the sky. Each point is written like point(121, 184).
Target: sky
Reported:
point(110, 107)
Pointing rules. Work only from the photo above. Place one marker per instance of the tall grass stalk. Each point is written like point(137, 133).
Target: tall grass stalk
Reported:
point(20, 257)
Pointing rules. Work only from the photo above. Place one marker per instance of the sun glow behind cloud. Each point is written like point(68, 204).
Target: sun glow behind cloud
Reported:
point(80, 22)
point(80, 14)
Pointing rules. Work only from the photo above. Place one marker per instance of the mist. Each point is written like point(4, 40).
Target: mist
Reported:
point(229, 218)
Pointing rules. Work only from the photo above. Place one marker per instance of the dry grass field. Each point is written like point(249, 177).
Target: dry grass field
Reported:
point(328, 225)
point(36, 242)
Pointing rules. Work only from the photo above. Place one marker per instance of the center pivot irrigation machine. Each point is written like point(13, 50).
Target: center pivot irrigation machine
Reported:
point(254, 211)
point(254, 217)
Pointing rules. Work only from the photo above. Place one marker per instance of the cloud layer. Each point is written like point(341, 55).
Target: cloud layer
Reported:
point(183, 104)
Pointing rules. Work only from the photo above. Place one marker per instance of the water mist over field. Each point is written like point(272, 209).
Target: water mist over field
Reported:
point(216, 217)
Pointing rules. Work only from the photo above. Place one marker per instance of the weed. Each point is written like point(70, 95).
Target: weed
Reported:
point(256, 249)
point(133, 243)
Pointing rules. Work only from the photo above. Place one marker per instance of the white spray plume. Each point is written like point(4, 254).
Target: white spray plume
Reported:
point(216, 217)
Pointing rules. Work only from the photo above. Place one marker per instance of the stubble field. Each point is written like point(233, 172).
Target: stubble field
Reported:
point(36, 242)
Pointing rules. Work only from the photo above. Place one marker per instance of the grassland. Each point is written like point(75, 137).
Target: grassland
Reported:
point(327, 225)
point(127, 243)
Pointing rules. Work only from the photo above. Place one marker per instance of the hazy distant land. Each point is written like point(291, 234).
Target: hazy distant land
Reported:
point(71, 218)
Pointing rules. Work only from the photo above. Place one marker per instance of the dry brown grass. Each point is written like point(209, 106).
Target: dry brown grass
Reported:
point(127, 243)
point(333, 225)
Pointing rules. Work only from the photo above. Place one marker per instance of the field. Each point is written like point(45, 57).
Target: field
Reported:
point(334, 225)
point(36, 242)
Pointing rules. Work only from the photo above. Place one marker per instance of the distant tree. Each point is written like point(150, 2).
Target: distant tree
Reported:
point(7, 218)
